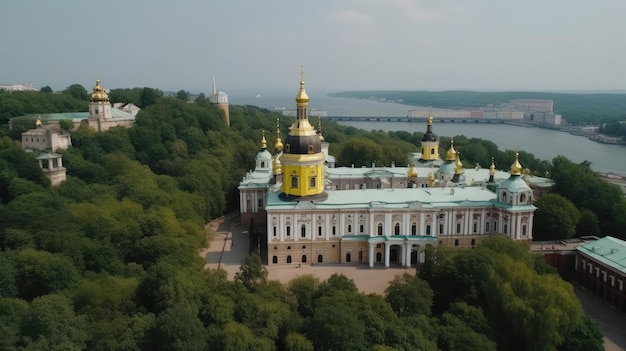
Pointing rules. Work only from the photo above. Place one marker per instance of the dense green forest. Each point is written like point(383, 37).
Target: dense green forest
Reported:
point(576, 109)
point(109, 259)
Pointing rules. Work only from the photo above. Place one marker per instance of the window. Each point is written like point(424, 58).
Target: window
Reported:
point(303, 247)
point(311, 149)
point(487, 227)
point(379, 257)
point(294, 182)
point(503, 197)
point(260, 203)
point(334, 230)
point(506, 228)
point(288, 231)
point(349, 228)
point(288, 247)
point(319, 230)
point(522, 198)
point(289, 259)
point(312, 182)
point(262, 164)
point(348, 257)
point(320, 259)
point(274, 231)
point(524, 230)
point(303, 258)
point(303, 231)
point(428, 229)
point(458, 228)
point(396, 229)
point(475, 227)
point(274, 259)
point(456, 242)
point(441, 229)
point(380, 229)
point(432, 151)
point(473, 242)
point(361, 228)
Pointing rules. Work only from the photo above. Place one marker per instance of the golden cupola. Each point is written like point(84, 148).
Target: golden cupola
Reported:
point(431, 179)
point(492, 168)
point(278, 145)
point(99, 94)
point(451, 155)
point(302, 99)
point(458, 166)
point(277, 167)
point(319, 128)
point(263, 141)
point(412, 171)
point(516, 167)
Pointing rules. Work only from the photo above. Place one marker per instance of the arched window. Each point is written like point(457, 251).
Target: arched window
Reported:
point(312, 182)
point(349, 228)
point(289, 259)
point(379, 257)
point(320, 259)
point(294, 182)
point(380, 229)
point(503, 197)
point(432, 151)
point(522, 198)
point(348, 257)
point(473, 242)
point(428, 229)
point(274, 259)
point(311, 149)
point(274, 231)
point(396, 229)
point(262, 164)
point(319, 230)
point(414, 229)
point(288, 230)
point(288, 247)
point(303, 247)
point(456, 242)
point(303, 258)
point(303, 231)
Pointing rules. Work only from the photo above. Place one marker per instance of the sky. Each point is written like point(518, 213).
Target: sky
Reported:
point(342, 44)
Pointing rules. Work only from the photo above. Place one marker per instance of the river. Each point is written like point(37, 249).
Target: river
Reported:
point(543, 143)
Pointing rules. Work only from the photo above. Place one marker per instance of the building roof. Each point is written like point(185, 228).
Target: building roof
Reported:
point(116, 114)
point(609, 251)
point(431, 198)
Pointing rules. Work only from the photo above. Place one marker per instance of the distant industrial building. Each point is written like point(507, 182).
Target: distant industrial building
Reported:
point(18, 87)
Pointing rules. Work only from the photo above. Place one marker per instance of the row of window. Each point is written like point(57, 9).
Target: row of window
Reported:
point(396, 230)
point(294, 182)
point(33, 140)
point(320, 259)
point(599, 271)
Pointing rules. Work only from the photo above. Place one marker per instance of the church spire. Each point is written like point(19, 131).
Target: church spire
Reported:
point(263, 141)
point(278, 145)
point(516, 167)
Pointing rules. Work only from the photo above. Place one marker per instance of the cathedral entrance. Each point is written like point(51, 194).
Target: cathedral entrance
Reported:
point(393, 254)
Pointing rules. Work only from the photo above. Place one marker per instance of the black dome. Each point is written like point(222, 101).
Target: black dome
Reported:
point(430, 136)
point(305, 144)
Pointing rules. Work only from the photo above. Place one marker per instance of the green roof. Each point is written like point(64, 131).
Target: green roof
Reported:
point(609, 251)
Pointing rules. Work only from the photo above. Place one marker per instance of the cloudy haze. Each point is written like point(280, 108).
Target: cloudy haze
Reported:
point(343, 44)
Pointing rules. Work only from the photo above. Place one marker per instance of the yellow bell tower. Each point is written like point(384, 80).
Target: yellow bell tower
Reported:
point(430, 143)
point(302, 159)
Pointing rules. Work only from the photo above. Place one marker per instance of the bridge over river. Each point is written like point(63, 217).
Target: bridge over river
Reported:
point(418, 119)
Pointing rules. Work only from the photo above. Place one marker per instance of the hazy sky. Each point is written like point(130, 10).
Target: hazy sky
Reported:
point(343, 44)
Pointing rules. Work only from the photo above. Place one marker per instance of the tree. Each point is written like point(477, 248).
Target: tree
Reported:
point(45, 89)
point(182, 95)
point(149, 96)
point(51, 324)
point(588, 224)
point(556, 218)
point(178, 328)
point(77, 91)
point(40, 273)
point(251, 272)
point(409, 295)
point(297, 342)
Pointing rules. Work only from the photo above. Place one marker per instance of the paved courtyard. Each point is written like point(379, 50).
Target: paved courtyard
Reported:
point(229, 247)
point(232, 238)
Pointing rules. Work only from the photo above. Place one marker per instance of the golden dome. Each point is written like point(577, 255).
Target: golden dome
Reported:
point(451, 155)
point(38, 122)
point(516, 167)
point(278, 145)
point(458, 169)
point(431, 179)
point(277, 167)
point(412, 172)
point(492, 168)
point(263, 141)
point(99, 94)
point(302, 99)
point(319, 128)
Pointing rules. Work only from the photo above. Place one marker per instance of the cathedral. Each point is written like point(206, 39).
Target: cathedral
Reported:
point(313, 212)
